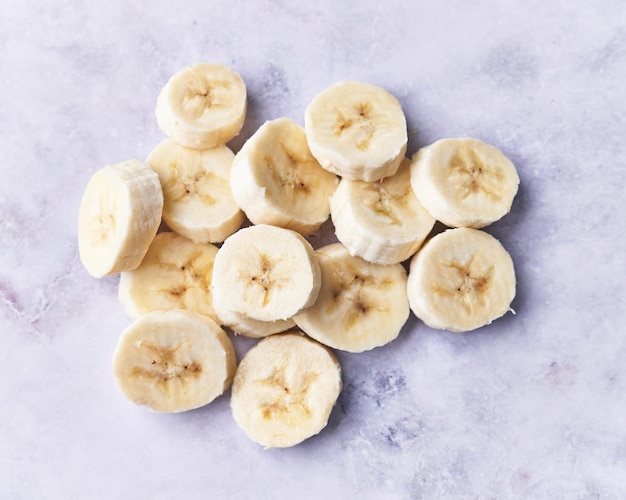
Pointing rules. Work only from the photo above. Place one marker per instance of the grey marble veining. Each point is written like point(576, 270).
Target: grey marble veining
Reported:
point(532, 406)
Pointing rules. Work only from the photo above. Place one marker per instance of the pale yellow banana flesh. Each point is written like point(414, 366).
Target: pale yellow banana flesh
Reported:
point(202, 106)
point(464, 182)
point(266, 272)
point(198, 202)
point(360, 305)
point(119, 215)
point(460, 280)
point(175, 274)
point(276, 180)
point(173, 361)
point(284, 390)
point(382, 222)
point(246, 326)
point(356, 130)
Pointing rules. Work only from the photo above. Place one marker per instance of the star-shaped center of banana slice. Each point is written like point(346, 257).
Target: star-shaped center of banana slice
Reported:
point(356, 120)
point(264, 276)
point(466, 283)
point(475, 175)
point(164, 365)
point(287, 401)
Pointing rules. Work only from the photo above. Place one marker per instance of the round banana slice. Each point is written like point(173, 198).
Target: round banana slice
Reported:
point(267, 273)
point(202, 106)
point(464, 182)
point(248, 327)
point(119, 215)
point(460, 280)
point(382, 222)
point(284, 390)
point(198, 202)
point(356, 130)
point(276, 180)
point(360, 305)
point(175, 274)
point(173, 361)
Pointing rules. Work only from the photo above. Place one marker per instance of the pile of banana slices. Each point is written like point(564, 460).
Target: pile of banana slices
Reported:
point(235, 256)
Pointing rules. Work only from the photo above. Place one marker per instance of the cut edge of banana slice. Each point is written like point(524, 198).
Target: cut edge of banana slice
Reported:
point(240, 324)
point(119, 215)
point(360, 305)
point(284, 390)
point(464, 182)
point(357, 130)
point(460, 280)
point(382, 222)
point(173, 361)
point(202, 106)
point(276, 180)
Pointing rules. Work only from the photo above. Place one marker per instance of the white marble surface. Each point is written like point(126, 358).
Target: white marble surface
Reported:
point(531, 407)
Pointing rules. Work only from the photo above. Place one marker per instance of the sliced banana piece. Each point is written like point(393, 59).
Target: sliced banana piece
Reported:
point(464, 182)
point(285, 389)
point(276, 180)
point(360, 305)
point(248, 327)
point(267, 273)
point(175, 274)
point(357, 130)
point(382, 222)
point(460, 280)
point(202, 106)
point(119, 215)
point(173, 361)
point(198, 202)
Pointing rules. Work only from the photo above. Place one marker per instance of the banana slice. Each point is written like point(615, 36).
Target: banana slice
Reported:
point(248, 327)
point(276, 180)
point(119, 215)
point(357, 130)
point(284, 390)
point(173, 361)
point(175, 274)
point(360, 305)
point(202, 106)
point(460, 280)
point(464, 182)
point(266, 273)
point(382, 222)
point(198, 202)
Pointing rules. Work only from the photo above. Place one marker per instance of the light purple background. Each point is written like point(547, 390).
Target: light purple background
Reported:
point(533, 406)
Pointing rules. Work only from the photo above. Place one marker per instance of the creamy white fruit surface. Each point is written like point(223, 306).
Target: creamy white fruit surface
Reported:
point(530, 406)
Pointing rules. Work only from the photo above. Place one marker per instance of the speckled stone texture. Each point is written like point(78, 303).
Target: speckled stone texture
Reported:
point(530, 407)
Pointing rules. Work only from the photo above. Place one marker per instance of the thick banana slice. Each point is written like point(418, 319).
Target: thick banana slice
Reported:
point(198, 202)
point(460, 280)
point(175, 274)
point(248, 327)
point(173, 361)
point(357, 130)
point(276, 180)
point(464, 182)
point(284, 390)
point(119, 215)
point(382, 222)
point(360, 305)
point(266, 273)
point(202, 106)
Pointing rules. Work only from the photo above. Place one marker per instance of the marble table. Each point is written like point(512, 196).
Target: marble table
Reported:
point(530, 407)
